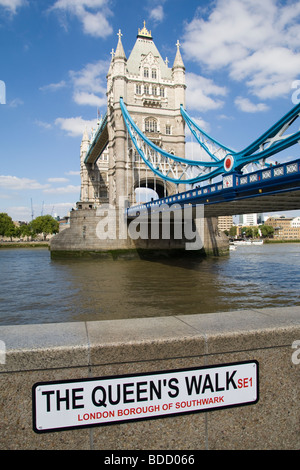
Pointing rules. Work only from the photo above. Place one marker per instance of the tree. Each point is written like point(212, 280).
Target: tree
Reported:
point(26, 231)
point(232, 231)
point(247, 232)
point(44, 224)
point(7, 227)
point(266, 230)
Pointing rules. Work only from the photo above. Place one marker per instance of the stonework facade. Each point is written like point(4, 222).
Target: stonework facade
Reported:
point(111, 168)
point(153, 93)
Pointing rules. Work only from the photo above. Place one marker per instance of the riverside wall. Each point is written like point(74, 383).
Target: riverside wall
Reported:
point(33, 354)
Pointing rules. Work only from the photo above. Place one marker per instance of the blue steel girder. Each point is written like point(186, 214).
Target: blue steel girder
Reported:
point(266, 190)
point(221, 159)
point(165, 165)
point(268, 144)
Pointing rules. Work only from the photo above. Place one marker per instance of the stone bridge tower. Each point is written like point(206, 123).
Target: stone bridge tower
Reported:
point(153, 93)
point(111, 169)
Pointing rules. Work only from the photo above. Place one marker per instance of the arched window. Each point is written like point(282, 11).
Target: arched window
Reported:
point(146, 72)
point(151, 125)
point(154, 74)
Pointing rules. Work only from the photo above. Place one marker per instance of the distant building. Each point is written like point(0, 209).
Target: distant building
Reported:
point(285, 228)
point(249, 220)
point(225, 222)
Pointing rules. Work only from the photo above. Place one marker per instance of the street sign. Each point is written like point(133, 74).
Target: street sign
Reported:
point(99, 401)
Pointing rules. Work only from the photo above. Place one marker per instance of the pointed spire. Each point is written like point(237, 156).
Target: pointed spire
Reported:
point(120, 50)
point(111, 63)
point(178, 62)
point(85, 137)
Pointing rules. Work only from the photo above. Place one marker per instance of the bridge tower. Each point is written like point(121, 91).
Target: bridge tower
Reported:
point(153, 93)
point(112, 170)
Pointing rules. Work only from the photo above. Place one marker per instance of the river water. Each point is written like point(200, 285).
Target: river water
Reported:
point(36, 289)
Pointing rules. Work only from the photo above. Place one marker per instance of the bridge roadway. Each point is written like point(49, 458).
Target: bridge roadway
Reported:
point(276, 188)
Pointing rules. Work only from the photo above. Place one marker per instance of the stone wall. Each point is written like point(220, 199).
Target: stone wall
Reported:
point(82, 238)
point(72, 351)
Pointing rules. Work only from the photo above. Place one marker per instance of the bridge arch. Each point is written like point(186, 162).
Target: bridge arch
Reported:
point(152, 188)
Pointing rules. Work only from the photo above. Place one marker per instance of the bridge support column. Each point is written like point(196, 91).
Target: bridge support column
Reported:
point(103, 232)
point(216, 242)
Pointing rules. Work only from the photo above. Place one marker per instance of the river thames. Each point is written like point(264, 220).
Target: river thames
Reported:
point(36, 289)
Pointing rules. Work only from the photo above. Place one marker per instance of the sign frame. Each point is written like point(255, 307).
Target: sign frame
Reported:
point(36, 392)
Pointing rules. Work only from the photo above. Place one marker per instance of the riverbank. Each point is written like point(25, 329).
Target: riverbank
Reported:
point(38, 244)
point(281, 241)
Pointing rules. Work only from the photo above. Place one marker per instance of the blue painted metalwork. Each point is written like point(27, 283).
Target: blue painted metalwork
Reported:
point(267, 145)
point(222, 159)
point(205, 140)
point(164, 164)
point(273, 180)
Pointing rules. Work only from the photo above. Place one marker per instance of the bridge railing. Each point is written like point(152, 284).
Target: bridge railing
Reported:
point(264, 177)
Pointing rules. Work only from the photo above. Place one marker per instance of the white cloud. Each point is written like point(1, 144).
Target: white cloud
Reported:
point(43, 124)
point(15, 183)
point(89, 89)
point(244, 104)
point(63, 190)
point(54, 86)
point(12, 5)
point(96, 25)
point(157, 14)
point(73, 173)
point(15, 103)
point(92, 77)
point(58, 180)
point(89, 99)
point(93, 14)
point(256, 42)
point(201, 93)
point(75, 126)
point(90, 84)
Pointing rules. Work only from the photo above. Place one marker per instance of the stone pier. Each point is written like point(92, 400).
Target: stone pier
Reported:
point(82, 239)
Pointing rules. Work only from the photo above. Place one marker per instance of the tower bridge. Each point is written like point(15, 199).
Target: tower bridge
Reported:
point(140, 143)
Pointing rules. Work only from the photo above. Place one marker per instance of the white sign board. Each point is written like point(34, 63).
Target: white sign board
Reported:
point(109, 400)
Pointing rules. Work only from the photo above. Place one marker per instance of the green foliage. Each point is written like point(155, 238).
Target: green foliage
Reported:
point(7, 227)
point(233, 231)
point(266, 230)
point(45, 224)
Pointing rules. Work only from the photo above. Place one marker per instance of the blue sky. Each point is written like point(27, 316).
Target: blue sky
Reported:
point(242, 60)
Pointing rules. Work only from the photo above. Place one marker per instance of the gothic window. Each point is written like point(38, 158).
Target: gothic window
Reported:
point(168, 129)
point(146, 72)
point(162, 92)
point(138, 89)
point(154, 90)
point(151, 125)
point(146, 90)
point(154, 74)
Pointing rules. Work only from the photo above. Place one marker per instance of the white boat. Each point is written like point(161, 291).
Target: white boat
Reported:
point(257, 242)
point(247, 242)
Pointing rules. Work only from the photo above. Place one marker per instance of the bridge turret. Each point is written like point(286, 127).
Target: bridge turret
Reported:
point(85, 143)
point(119, 71)
point(178, 72)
